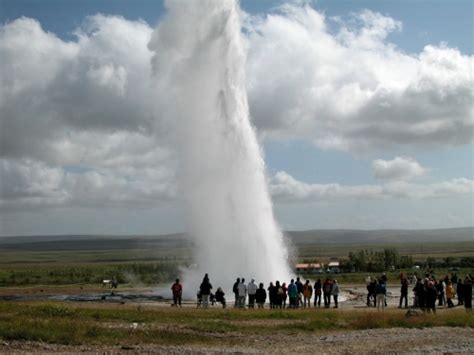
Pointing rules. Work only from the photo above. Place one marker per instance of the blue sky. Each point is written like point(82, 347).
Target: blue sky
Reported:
point(432, 168)
point(423, 21)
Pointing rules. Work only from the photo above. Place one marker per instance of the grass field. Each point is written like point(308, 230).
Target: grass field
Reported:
point(111, 324)
point(150, 261)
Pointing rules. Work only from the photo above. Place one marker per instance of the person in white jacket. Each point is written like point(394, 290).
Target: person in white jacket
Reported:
point(252, 291)
point(242, 291)
point(335, 292)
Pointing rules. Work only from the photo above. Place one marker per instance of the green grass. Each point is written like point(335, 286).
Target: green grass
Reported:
point(63, 323)
point(60, 274)
point(160, 262)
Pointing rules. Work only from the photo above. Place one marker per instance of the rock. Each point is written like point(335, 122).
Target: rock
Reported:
point(413, 313)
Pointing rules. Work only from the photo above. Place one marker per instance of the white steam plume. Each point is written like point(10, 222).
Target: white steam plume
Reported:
point(200, 66)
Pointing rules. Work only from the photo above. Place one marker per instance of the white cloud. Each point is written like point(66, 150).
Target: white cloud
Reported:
point(84, 105)
point(29, 183)
point(53, 91)
point(285, 188)
point(350, 88)
point(400, 168)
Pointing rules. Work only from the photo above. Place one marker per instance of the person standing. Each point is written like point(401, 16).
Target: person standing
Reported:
point(279, 295)
point(335, 292)
point(327, 285)
point(380, 293)
point(285, 294)
point(467, 289)
point(236, 292)
point(299, 286)
point(261, 296)
point(242, 291)
point(460, 292)
point(371, 293)
point(317, 293)
point(307, 294)
point(272, 294)
point(293, 294)
point(177, 290)
point(450, 294)
point(252, 290)
point(205, 289)
point(431, 295)
point(404, 293)
point(440, 291)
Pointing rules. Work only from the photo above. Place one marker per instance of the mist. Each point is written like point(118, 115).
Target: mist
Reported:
point(199, 67)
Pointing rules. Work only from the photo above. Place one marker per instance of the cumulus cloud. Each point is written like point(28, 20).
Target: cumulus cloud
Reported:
point(400, 168)
point(78, 125)
point(344, 86)
point(52, 89)
point(91, 103)
point(286, 188)
point(27, 183)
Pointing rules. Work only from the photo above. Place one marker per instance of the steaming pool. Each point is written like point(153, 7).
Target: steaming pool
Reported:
point(350, 296)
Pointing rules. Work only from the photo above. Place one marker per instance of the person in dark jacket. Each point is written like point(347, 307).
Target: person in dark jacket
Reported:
point(467, 290)
point(460, 292)
point(317, 293)
point(380, 294)
point(371, 293)
point(327, 286)
point(205, 290)
point(261, 296)
point(404, 293)
point(235, 290)
point(420, 296)
point(220, 297)
point(285, 293)
point(431, 295)
point(279, 295)
point(299, 286)
point(440, 290)
point(272, 294)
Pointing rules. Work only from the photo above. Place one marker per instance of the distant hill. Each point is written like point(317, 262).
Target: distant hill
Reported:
point(179, 240)
point(347, 236)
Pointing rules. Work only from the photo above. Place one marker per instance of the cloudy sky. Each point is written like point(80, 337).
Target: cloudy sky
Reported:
point(364, 111)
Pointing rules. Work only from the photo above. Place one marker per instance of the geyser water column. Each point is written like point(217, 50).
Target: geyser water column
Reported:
point(199, 64)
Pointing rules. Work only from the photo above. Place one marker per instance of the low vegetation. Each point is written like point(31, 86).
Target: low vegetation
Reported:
point(70, 274)
point(74, 324)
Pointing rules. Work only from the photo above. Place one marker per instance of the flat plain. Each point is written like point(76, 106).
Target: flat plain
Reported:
point(36, 274)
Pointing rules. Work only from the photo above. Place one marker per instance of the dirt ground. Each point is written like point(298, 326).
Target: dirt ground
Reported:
point(442, 340)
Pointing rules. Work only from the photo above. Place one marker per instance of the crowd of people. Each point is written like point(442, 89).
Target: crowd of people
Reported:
point(429, 290)
point(426, 291)
point(296, 294)
point(279, 295)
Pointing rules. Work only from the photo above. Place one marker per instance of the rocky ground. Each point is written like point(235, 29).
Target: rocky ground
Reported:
point(442, 340)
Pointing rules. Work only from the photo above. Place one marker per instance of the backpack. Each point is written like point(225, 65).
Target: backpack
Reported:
point(280, 291)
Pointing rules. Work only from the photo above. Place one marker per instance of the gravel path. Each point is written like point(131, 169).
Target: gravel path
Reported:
point(441, 340)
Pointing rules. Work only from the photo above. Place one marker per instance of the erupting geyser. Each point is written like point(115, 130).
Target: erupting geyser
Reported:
point(200, 66)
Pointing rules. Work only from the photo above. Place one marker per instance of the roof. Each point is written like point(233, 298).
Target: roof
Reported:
point(308, 266)
point(333, 263)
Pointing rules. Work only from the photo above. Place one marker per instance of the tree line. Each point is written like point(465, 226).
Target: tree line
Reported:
point(390, 259)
